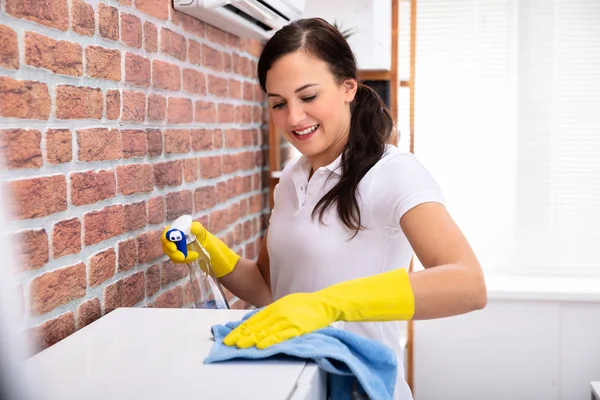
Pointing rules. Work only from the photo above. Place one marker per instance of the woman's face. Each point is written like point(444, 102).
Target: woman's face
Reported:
point(309, 106)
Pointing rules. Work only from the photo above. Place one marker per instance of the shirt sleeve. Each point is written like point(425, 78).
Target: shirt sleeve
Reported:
point(400, 183)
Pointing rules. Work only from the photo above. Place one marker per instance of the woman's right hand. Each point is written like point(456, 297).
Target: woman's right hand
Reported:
point(171, 250)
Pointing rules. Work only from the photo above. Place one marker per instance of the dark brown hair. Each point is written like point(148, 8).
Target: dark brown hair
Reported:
point(370, 125)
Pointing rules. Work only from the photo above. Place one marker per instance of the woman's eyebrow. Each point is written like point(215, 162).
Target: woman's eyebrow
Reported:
point(301, 88)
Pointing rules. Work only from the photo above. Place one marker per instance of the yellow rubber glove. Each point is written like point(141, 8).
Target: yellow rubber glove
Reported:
point(222, 258)
point(383, 297)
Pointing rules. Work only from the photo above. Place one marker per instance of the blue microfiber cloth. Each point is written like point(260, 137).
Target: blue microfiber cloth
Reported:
point(356, 365)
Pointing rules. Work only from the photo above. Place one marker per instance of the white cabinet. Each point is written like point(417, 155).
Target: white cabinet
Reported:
point(156, 354)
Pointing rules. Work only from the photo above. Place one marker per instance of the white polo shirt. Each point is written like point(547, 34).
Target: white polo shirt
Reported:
point(306, 256)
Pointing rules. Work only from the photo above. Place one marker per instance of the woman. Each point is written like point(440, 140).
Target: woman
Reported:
point(348, 214)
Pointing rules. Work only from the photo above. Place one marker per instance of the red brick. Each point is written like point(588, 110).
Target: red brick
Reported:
point(168, 173)
point(248, 91)
point(102, 266)
point(190, 170)
point(217, 35)
point(204, 198)
point(202, 139)
point(135, 178)
point(171, 299)
point(9, 48)
point(178, 204)
point(218, 139)
point(235, 89)
point(234, 138)
point(247, 230)
point(60, 57)
point(24, 99)
point(76, 102)
point(194, 81)
point(134, 216)
point(113, 296)
point(134, 143)
point(177, 141)
point(131, 31)
point(137, 70)
point(92, 186)
point(219, 220)
point(234, 212)
point(210, 167)
point(222, 192)
point(205, 112)
point(52, 331)
point(103, 63)
point(217, 86)
point(58, 146)
point(127, 254)
point(242, 66)
point(226, 113)
point(88, 312)
point(165, 75)
point(256, 204)
point(194, 52)
point(99, 144)
point(154, 139)
point(57, 287)
point(152, 280)
point(52, 13)
point(156, 210)
point(113, 104)
point(38, 197)
point(134, 289)
point(155, 8)
point(83, 21)
point(193, 25)
point(212, 58)
point(20, 148)
point(256, 114)
point(149, 247)
point(108, 21)
point(66, 238)
point(172, 272)
point(150, 37)
point(173, 44)
point(227, 62)
point(134, 106)
point(157, 107)
point(33, 249)
point(125, 2)
point(103, 224)
point(179, 111)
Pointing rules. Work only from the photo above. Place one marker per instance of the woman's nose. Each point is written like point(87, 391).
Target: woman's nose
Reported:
point(296, 114)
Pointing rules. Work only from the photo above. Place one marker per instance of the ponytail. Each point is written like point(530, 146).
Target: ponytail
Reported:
point(370, 130)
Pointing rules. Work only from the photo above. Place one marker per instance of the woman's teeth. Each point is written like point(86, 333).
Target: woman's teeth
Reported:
point(307, 130)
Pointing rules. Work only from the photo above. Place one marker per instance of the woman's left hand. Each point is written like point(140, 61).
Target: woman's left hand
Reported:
point(288, 317)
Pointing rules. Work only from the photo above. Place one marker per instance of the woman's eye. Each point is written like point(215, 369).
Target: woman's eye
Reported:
point(309, 99)
point(278, 105)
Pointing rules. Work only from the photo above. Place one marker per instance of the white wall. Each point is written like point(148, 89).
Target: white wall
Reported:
point(511, 350)
point(372, 43)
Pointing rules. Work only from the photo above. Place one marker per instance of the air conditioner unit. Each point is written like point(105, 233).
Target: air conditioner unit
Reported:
point(245, 18)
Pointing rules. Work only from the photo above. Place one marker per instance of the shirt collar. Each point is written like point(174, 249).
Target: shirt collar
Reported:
point(335, 166)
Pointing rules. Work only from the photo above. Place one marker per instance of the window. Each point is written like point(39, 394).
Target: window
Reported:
point(507, 118)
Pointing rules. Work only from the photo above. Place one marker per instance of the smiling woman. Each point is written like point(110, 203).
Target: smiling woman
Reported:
point(375, 204)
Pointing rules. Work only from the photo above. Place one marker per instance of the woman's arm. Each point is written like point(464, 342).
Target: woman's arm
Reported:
point(452, 282)
point(249, 280)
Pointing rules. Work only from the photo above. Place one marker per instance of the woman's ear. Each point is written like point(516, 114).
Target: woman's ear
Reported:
point(349, 88)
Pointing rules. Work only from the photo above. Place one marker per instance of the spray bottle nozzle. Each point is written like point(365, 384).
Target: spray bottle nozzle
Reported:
point(184, 225)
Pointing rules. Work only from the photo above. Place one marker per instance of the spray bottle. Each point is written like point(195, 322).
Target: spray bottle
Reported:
point(206, 289)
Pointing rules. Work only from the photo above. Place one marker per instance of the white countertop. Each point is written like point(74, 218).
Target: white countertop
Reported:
point(147, 353)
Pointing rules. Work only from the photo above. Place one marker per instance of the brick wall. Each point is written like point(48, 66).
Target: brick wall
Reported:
point(116, 117)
